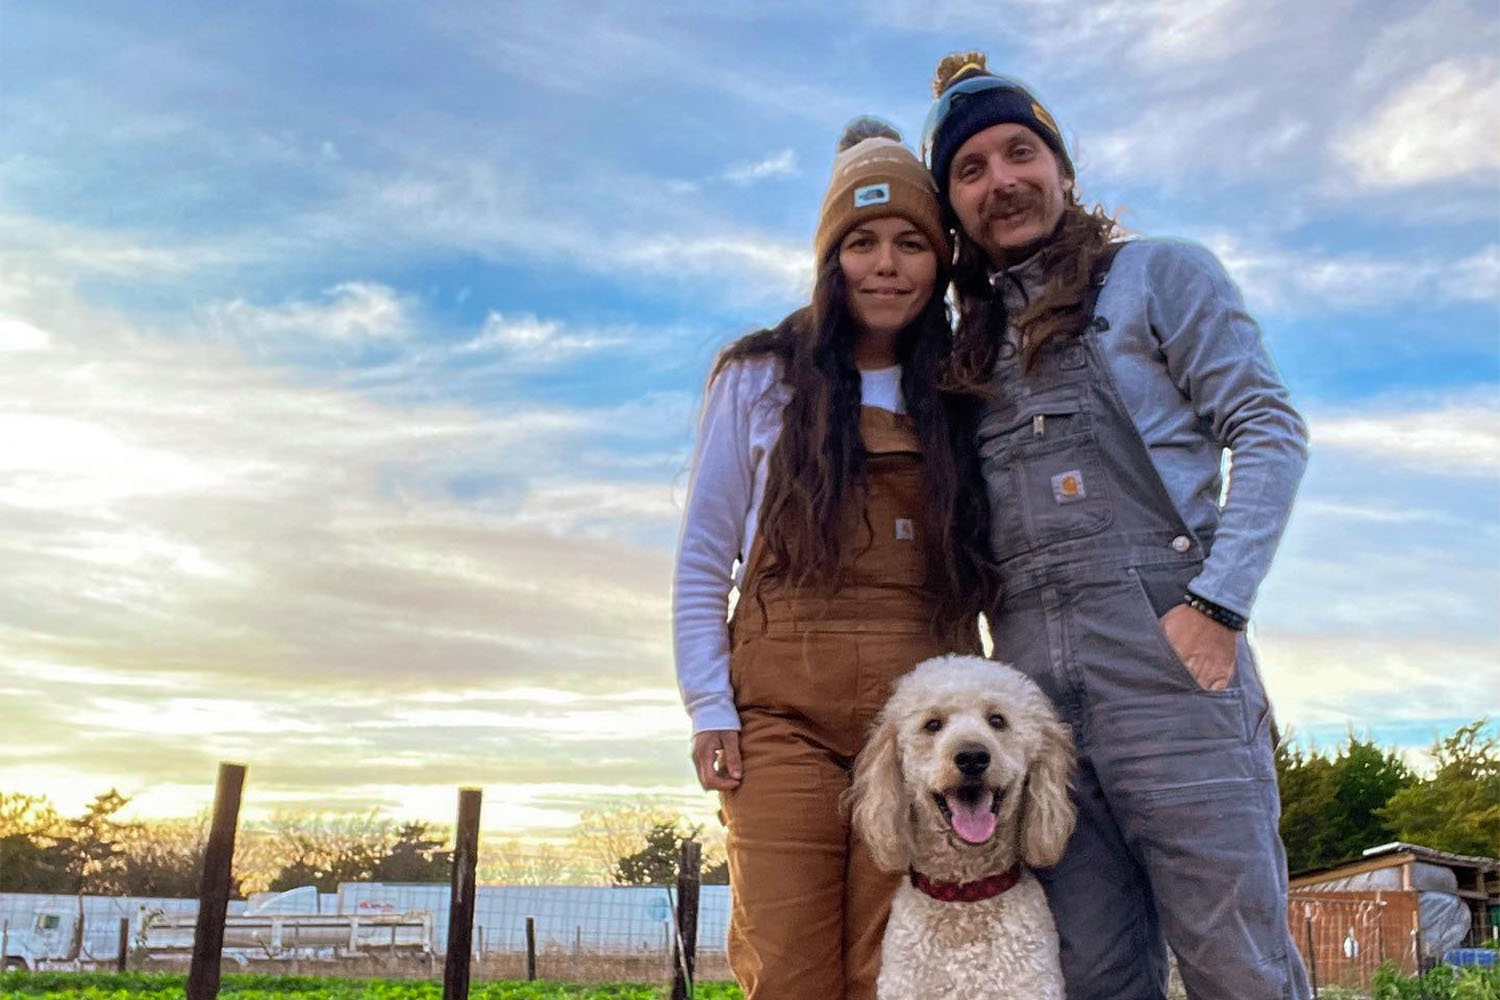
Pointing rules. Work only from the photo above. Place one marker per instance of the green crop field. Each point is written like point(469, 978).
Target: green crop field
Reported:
point(170, 986)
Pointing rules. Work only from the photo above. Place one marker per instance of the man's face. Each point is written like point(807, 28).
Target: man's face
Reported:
point(1007, 190)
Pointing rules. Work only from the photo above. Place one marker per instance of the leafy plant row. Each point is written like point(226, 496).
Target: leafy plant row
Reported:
point(161, 986)
point(1442, 983)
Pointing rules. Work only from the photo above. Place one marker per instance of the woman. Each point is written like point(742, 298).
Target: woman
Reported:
point(828, 465)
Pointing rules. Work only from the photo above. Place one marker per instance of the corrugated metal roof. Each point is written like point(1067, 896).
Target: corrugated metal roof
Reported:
point(1428, 854)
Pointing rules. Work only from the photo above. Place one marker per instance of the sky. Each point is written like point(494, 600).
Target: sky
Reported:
point(350, 354)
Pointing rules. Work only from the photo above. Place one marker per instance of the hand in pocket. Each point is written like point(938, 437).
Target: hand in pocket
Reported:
point(1205, 647)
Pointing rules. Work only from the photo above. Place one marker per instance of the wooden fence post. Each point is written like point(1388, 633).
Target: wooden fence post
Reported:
point(461, 897)
point(124, 954)
point(685, 947)
point(530, 949)
point(213, 888)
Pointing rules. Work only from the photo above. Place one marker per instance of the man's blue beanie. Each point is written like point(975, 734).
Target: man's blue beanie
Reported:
point(970, 99)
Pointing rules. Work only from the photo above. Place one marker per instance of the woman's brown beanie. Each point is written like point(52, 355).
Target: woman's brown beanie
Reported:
point(875, 176)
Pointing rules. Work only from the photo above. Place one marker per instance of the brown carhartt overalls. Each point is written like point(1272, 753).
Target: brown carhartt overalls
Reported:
point(810, 672)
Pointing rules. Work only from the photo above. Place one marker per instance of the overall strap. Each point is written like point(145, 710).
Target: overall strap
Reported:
point(1097, 276)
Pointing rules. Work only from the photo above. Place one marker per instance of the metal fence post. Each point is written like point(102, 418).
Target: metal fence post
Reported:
point(213, 888)
point(124, 939)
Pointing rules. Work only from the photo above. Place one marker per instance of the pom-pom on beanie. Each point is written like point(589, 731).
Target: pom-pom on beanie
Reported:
point(875, 176)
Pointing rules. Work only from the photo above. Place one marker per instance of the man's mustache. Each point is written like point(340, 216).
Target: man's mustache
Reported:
point(1005, 205)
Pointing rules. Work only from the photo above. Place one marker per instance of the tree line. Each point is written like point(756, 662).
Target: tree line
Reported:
point(1335, 803)
point(99, 853)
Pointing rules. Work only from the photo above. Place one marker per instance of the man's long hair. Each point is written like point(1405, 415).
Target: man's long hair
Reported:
point(816, 486)
point(1067, 260)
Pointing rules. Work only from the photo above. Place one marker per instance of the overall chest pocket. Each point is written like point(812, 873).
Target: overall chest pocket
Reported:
point(1042, 466)
point(886, 542)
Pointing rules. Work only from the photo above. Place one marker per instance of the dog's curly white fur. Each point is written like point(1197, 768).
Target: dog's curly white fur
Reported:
point(920, 797)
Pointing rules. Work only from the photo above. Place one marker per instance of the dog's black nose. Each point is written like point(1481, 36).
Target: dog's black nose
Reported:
point(971, 762)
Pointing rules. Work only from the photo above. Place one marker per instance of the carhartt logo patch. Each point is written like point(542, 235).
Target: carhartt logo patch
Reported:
point(872, 194)
point(905, 530)
point(1068, 486)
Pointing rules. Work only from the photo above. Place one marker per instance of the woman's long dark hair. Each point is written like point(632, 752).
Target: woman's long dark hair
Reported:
point(816, 471)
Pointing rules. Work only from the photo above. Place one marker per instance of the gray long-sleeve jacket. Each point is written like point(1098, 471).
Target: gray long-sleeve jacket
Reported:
point(1194, 374)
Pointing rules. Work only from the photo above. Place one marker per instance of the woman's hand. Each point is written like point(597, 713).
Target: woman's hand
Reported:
point(1205, 647)
point(716, 755)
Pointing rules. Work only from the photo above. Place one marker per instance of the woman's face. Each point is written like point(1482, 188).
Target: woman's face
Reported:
point(889, 269)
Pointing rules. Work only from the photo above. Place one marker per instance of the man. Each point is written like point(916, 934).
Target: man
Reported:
point(1127, 586)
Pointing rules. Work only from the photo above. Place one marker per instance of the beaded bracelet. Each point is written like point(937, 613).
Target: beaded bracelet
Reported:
point(1218, 613)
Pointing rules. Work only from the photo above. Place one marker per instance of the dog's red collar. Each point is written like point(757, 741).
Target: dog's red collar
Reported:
point(967, 892)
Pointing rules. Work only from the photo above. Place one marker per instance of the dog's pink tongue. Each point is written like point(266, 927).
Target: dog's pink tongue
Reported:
point(973, 823)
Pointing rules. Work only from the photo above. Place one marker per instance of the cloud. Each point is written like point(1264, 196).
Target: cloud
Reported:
point(530, 341)
point(1373, 513)
point(638, 51)
point(205, 521)
point(631, 227)
point(1192, 31)
point(1440, 126)
point(19, 335)
point(45, 247)
point(352, 311)
point(1302, 104)
point(1457, 439)
point(779, 164)
point(210, 518)
point(1316, 680)
point(218, 531)
point(1147, 33)
point(750, 260)
point(1168, 139)
point(1393, 539)
point(1287, 280)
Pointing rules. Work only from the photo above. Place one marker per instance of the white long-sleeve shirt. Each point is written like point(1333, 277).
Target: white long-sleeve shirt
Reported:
point(739, 425)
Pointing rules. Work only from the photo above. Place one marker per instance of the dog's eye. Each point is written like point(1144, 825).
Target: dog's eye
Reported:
point(997, 721)
point(933, 725)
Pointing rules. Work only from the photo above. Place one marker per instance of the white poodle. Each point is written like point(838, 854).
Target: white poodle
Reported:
point(964, 783)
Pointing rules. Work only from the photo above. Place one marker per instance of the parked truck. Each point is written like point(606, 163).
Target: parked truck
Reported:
point(53, 940)
point(274, 926)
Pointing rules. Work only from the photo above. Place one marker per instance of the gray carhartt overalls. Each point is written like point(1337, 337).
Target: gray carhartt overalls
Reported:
point(1176, 792)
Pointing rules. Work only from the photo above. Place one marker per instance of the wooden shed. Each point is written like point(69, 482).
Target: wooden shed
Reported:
point(1349, 917)
point(1478, 879)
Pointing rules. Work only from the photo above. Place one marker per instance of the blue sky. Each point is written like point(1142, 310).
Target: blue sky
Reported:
point(351, 353)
